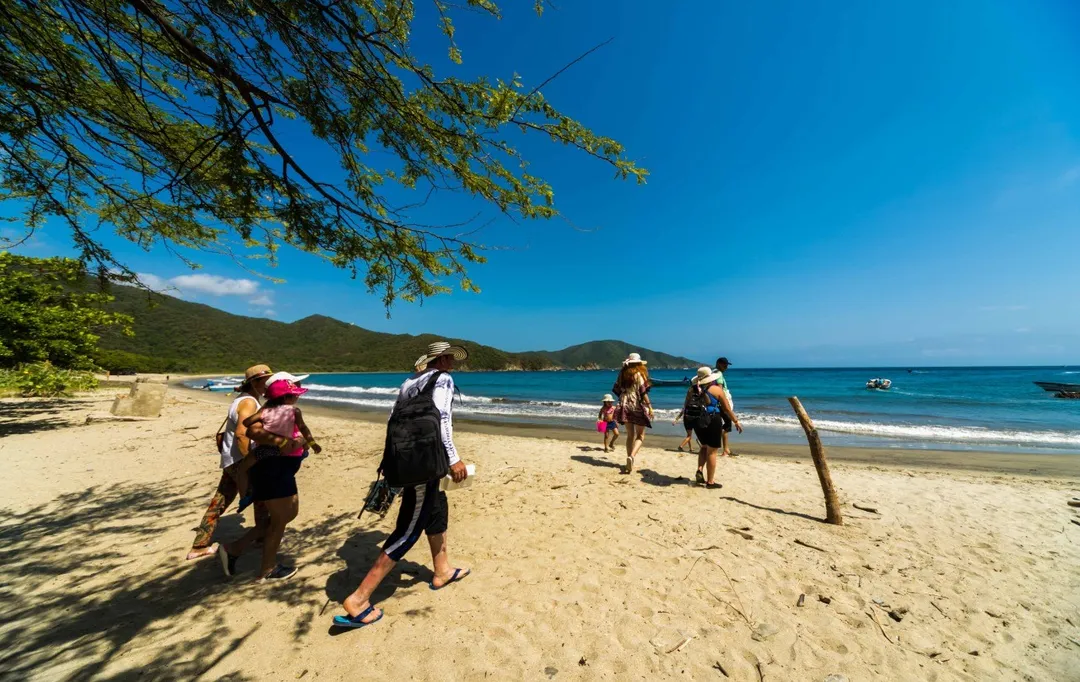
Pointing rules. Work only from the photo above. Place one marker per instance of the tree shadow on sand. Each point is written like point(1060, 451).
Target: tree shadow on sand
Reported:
point(359, 552)
point(33, 415)
point(73, 604)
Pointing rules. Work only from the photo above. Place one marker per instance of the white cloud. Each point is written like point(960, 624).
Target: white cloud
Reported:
point(187, 286)
point(215, 285)
point(270, 313)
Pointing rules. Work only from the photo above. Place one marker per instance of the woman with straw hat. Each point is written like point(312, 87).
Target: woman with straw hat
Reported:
point(635, 409)
point(711, 436)
point(233, 446)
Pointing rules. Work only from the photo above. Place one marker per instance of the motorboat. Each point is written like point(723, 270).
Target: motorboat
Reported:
point(225, 385)
point(877, 384)
point(685, 381)
point(1055, 387)
point(1060, 390)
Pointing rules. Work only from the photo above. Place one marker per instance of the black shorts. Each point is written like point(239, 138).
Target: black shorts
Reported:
point(687, 424)
point(713, 434)
point(727, 421)
point(273, 478)
point(423, 509)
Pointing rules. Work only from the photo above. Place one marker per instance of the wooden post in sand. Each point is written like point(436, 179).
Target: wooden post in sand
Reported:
point(832, 505)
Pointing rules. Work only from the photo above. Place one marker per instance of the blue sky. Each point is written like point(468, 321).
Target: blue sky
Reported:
point(830, 184)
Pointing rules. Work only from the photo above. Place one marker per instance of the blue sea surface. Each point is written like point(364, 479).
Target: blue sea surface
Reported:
point(978, 408)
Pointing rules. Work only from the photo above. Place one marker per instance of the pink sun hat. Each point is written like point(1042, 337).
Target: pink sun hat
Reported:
point(283, 383)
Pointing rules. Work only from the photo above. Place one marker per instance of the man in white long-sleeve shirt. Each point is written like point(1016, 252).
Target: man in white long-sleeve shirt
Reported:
point(423, 507)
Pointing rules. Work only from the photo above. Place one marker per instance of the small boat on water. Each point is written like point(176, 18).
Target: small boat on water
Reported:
point(655, 383)
point(877, 384)
point(221, 385)
point(1059, 389)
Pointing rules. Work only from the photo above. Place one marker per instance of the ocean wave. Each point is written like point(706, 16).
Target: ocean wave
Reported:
point(927, 432)
point(377, 390)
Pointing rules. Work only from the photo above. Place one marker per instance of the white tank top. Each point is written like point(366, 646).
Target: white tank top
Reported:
point(230, 451)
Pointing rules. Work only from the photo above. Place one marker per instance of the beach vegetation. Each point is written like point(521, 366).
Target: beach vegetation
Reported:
point(45, 380)
point(239, 127)
point(50, 312)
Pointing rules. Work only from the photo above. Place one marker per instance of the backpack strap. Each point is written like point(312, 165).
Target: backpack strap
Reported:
point(430, 387)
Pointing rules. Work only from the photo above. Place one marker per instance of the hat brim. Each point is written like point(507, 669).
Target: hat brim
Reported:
point(628, 362)
point(458, 352)
point(244, 384)
point(707, 380)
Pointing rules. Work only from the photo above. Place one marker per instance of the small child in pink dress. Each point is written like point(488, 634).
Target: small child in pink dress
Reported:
point(281, 417)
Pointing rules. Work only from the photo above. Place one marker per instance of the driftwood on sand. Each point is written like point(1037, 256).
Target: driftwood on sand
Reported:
point(817, 451)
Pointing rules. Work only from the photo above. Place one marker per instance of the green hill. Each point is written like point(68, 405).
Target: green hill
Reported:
point(609, 354)
point(172, 335)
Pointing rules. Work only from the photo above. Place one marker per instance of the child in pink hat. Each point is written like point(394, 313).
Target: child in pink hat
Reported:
point(281, 417)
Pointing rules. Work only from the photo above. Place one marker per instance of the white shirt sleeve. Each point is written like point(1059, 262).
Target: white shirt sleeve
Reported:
point(443, 396)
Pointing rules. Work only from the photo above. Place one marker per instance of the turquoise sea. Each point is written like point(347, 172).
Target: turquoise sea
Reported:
point(977, 408)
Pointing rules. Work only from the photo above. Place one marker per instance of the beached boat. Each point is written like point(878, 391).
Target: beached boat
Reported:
point(877, 384)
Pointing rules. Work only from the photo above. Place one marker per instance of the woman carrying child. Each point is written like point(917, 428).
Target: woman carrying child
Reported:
point(282, 439)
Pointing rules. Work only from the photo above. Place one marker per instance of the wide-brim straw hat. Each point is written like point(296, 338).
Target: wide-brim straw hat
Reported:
point(254, 372)
point(706, 375)
point(439, 349)
point(633, 359)
point(608, 398)
point(421, 362)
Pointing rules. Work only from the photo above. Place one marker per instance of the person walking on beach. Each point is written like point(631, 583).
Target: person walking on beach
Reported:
point(635, 409)
point(711, 433)
point(282, 438)
point(422, 398)
point(233, 447)
point(722, 365)
point(607, 419)
point(687, 425)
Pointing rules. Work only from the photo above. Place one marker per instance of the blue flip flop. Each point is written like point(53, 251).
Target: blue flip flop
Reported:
point(458, 575)
point(357, 621)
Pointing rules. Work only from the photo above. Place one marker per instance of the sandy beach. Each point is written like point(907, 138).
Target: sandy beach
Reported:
point(579, 572)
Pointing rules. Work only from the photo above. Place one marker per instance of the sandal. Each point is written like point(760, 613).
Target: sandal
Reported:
point(699, 478)
point(357, 621)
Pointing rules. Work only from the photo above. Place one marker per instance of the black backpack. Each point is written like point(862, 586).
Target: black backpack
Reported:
point(414, 452)
point(696, 412)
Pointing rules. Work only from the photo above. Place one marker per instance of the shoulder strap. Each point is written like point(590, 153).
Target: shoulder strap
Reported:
point(430, 388)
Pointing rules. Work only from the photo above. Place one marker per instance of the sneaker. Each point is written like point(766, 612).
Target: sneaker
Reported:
point(277, 573)
point(228, 561)
point(699, 477)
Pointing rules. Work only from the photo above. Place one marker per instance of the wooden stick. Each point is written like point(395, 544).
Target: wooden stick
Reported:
point(807, 544)
point(817, 451)
point(872, 510)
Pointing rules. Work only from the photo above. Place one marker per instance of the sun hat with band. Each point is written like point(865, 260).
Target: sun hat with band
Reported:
point(608, 398)
point(438, 350)
point(283, 383)
point(254, 372)
point(633, 359)
point(706, 375)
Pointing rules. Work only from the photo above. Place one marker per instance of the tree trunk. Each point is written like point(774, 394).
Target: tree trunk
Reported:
point(832, 505)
